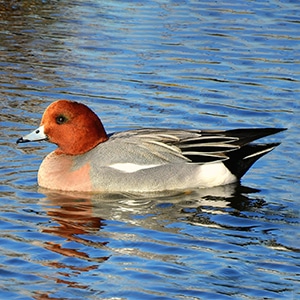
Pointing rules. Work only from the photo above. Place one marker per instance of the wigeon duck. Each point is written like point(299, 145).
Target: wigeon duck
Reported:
point(142, 160)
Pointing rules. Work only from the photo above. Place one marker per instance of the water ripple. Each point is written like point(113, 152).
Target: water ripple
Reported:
point(166, 64)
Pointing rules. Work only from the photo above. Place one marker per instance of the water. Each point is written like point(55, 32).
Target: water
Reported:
point(208, 64)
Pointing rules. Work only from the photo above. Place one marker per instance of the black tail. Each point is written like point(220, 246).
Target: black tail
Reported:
point(246, 135)
point(242, 159)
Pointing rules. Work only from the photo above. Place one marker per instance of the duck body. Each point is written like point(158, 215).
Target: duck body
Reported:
point(143, 160)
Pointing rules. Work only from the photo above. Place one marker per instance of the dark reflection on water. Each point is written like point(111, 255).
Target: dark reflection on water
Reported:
point(193, 64)
point(164, 238)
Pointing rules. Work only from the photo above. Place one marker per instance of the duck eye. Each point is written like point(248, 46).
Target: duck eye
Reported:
point(60, 119)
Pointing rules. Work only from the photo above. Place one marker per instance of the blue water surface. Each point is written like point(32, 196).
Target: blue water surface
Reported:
point(175, 64)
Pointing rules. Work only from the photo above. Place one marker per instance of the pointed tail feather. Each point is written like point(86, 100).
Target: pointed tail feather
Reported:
point(241, 160)
point(246, 135)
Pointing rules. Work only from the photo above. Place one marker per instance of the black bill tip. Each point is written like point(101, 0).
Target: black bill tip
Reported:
point(21, 140)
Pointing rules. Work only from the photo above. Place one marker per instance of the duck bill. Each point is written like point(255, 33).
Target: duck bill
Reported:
point(35, 136)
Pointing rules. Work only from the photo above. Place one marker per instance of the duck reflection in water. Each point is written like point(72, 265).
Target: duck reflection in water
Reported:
point(81, 218)
point(73, 217)
point(73, 222)
point(78, 214)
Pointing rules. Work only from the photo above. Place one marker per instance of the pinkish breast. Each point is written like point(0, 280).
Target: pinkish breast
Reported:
point(57, 172)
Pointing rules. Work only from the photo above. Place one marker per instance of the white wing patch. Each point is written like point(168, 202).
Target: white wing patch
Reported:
point(130, 168)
